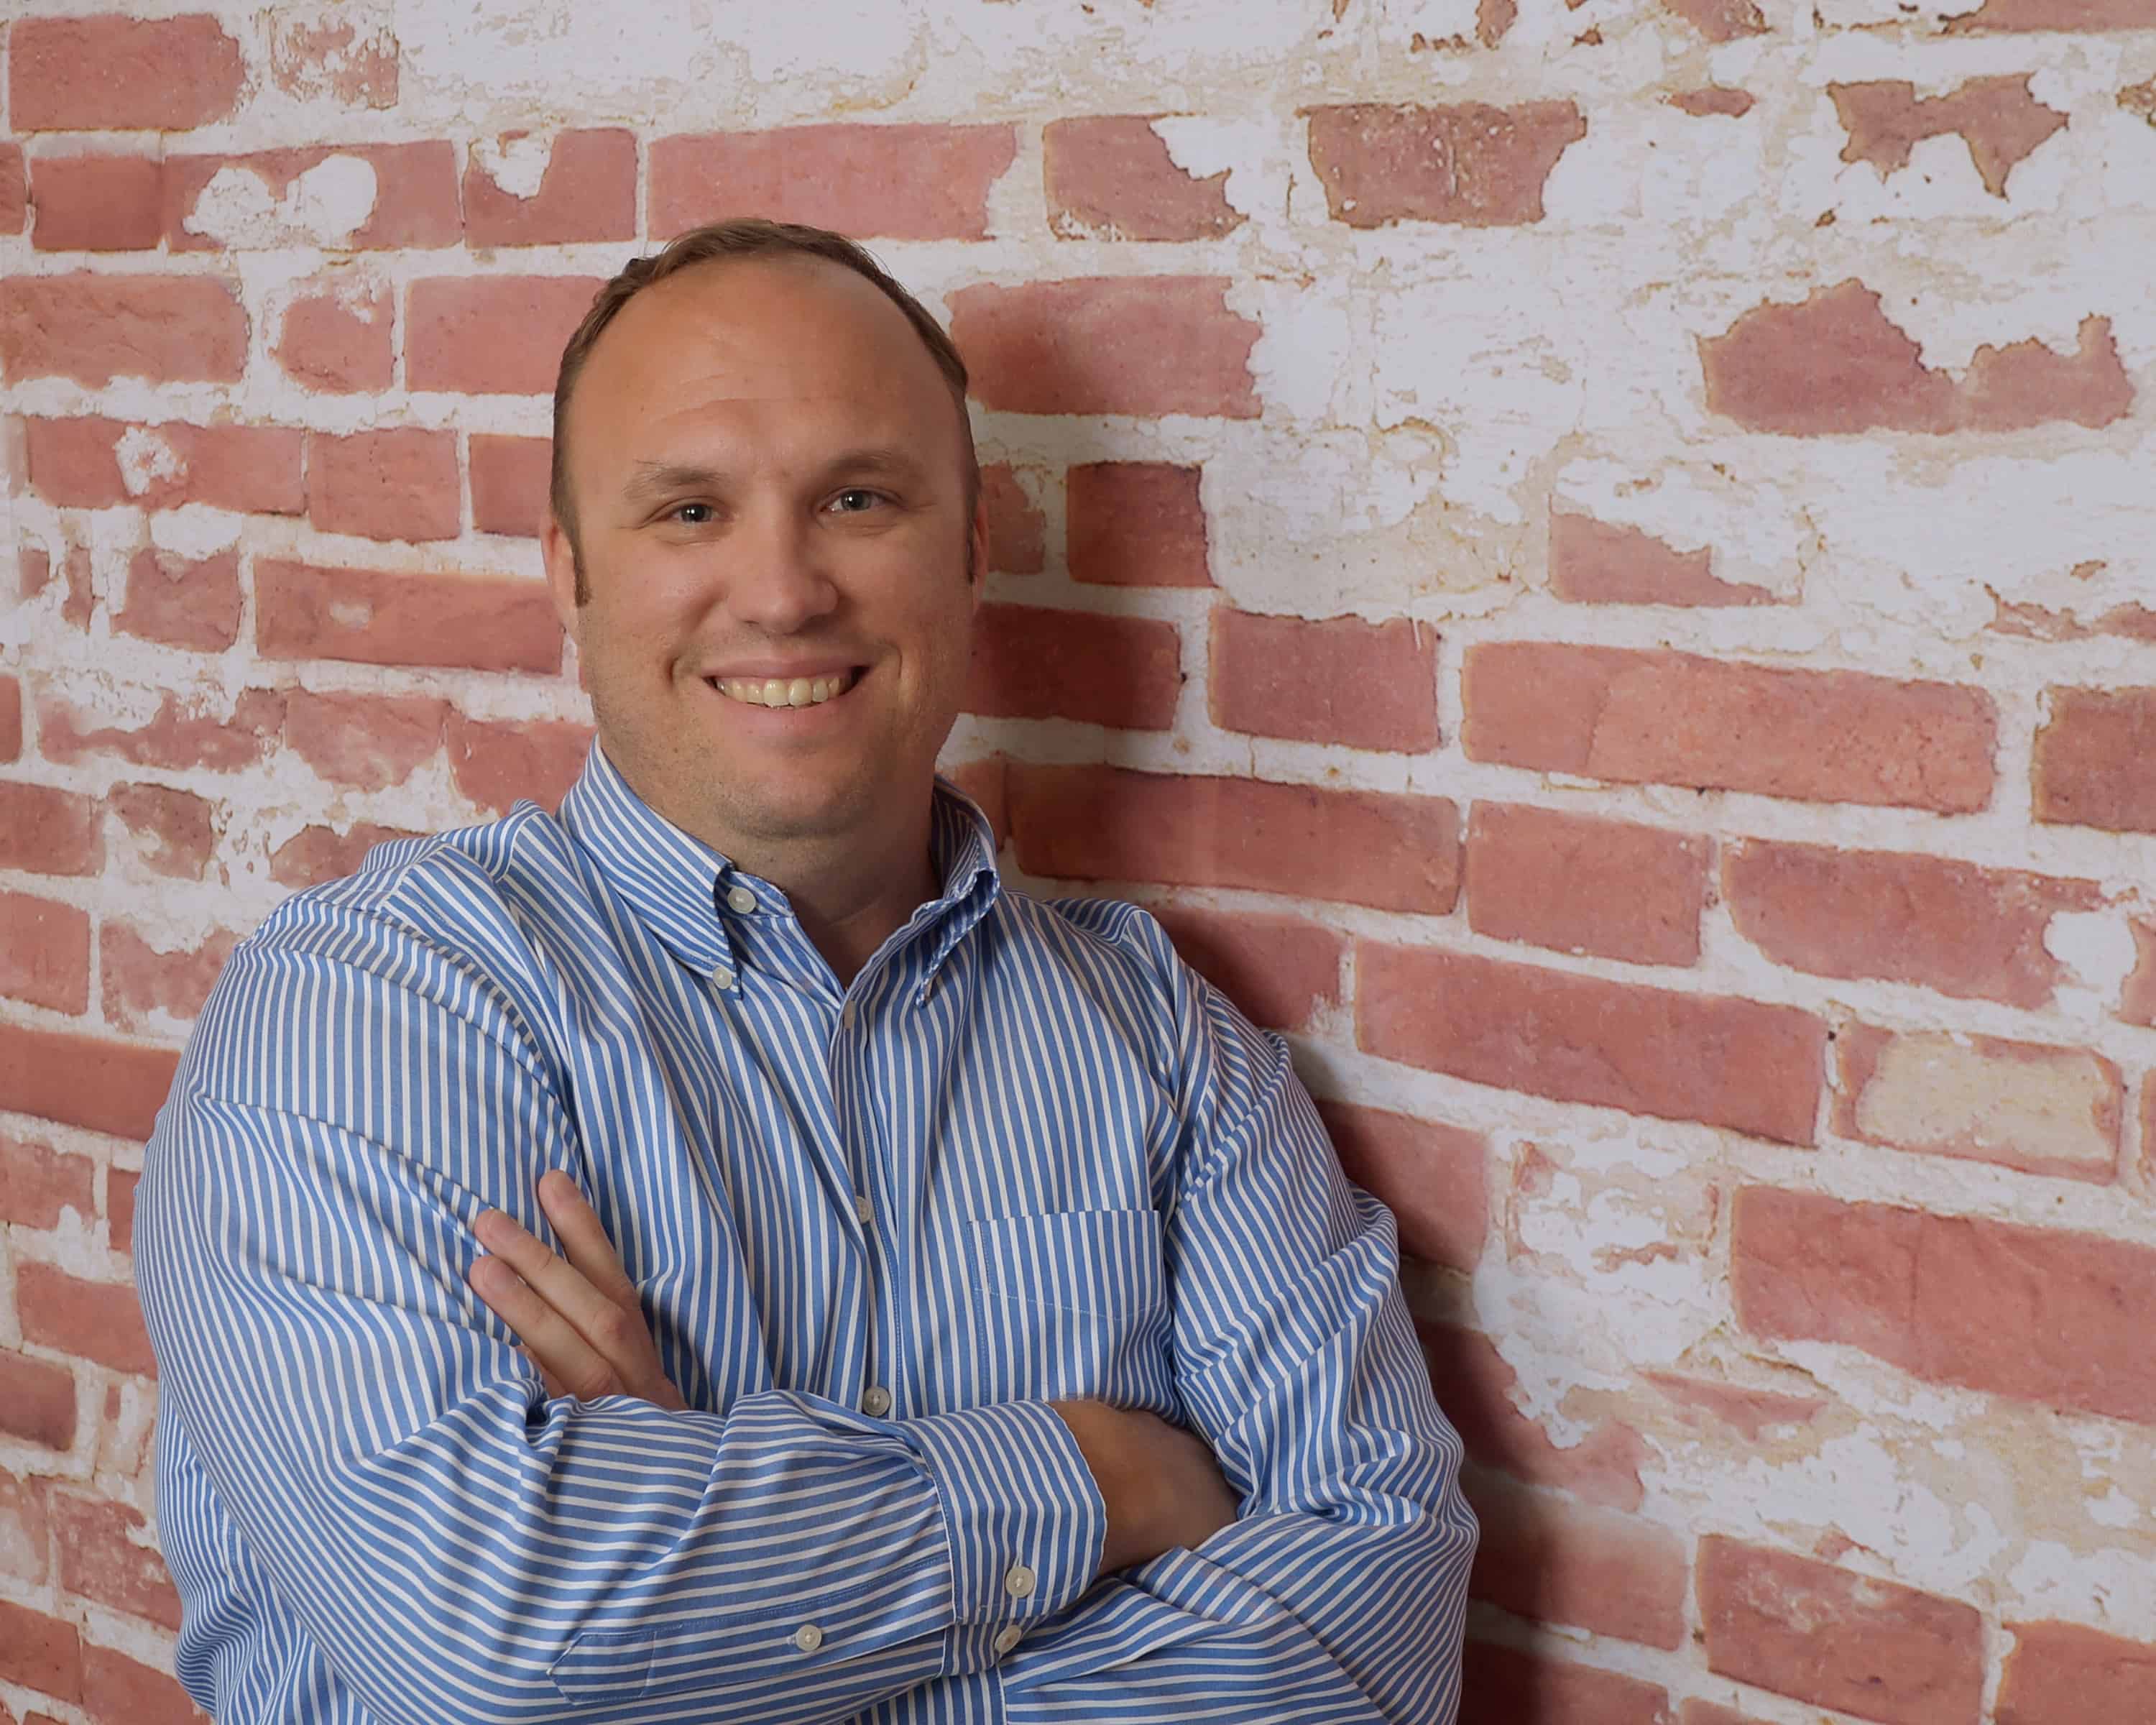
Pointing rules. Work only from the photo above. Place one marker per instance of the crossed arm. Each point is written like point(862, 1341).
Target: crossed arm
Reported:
point(456, 1544)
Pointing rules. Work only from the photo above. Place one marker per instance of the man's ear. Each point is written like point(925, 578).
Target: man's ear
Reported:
point(976, 550)
point(560, 553)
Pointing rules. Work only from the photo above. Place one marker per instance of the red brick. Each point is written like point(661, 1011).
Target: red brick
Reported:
point(2093, 760)
point(2047, 622)
point(397, 485)
point(1753, 1068)
point(2044, 1110)
point(372, 617)
point(1929, 920)
point(1502, 1686)
point(1137, 524)
point(1707, 1712)
point(1712, 99)
point(120, 1186)
point(369, 741)
point(182, 603)
point(106, 1554)
point(1595, 563)
point(140, 980)
point(1393, 853)
point(1030, 662)
point(1095, 346)
point(985, 781)
point(1018, 531)
point(1366, 685)
point(1110, 177)
point(97, 203)
point(1753, 1412)
point(115, 1087)
point(96, 1321)
point(492, 335)
point(1468, 163)
point(1835, 1639)
point(1834, 363)
point(871, 181)
point(36, 1405)
point(2000, 119)
point(1648, 717)
point(1279, 970)
point(1579, 884)
point(2057, 15)
point(1720, 20)
point(2065, 1674)
point(254, 470)
point(1475, 1385)
point(45, 831)
point(180, 735)
point(42, 1182)
point(588, 191)
point(113, 73)
point(2038, 1314)
point(35, 567)
point(117, 1691)
point(336, 337)
point(509, 479)
point(1435, 1179)
point(25, 1543)
point(318, 854)
point(415, 196)
point(1544, 1557)
point(11, 719)
point(170, 329)
point(497, 765)
point(37, 1651)
point(14, 189)
point(44, 953)
point(173, 832)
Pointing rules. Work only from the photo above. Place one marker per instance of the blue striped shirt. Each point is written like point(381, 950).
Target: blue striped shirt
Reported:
point(1026, 1154)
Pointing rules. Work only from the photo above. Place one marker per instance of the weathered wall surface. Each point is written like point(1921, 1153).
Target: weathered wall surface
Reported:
point(1594, 562)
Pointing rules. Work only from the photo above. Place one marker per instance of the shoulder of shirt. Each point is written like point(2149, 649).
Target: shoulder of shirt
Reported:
point(444, 890)
point(1126, 936)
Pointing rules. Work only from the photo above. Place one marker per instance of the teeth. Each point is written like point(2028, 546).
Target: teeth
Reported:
point(780, 691)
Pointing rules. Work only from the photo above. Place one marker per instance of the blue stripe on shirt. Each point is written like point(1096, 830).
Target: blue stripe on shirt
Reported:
point(1083, 1173)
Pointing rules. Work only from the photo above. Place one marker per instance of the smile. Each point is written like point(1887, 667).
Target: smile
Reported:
point(784, 691)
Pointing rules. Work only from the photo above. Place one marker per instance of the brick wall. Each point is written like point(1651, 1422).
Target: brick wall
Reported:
point(1592, 560)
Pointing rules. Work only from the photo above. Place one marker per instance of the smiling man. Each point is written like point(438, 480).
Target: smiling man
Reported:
point(959, 1314)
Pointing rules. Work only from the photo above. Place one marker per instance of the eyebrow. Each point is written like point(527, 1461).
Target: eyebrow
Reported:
point(653, 480)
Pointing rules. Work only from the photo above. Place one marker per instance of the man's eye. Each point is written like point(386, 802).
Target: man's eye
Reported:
point(692, 514)
point(854, 499)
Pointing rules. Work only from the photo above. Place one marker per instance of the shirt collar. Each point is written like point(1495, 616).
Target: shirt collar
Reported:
point(677, 885)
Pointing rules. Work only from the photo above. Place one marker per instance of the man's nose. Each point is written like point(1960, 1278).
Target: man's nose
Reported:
point(778, 575)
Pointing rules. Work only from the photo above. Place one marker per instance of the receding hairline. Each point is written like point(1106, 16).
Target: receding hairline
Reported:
point(746, 240)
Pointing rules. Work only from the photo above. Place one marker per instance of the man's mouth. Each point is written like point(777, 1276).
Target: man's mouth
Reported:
point(785, 691)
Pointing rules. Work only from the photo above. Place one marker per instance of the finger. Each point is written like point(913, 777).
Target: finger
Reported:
point(554, 1279)
point(563, 1357)
point(583, 1237)
point(554, 1385)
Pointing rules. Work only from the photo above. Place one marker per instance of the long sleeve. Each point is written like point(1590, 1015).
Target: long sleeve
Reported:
point(461, 1548)
point(1340, 1593)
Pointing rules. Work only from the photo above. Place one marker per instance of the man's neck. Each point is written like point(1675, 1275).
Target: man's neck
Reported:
point(850, 898)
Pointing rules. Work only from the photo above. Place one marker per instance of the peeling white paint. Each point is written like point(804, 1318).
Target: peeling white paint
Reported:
point(324, 206)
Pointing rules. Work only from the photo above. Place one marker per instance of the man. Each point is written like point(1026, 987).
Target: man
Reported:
point(991, 1336)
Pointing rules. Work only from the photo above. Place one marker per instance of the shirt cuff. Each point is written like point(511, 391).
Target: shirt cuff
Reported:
point(1026, 1522)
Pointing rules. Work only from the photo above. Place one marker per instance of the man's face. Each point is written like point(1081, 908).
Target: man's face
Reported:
point(770, 486)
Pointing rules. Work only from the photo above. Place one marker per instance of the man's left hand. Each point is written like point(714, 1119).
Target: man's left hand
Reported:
point(577, 1316)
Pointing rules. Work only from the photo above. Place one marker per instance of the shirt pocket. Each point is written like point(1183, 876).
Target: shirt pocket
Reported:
point(1071, 1304)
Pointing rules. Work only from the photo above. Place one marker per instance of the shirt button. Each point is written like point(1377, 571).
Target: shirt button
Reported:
point(863, 1208)
point(1010, 1638)
point(740, 899)
point(722, 978)
point(875, 1401)
point(808, 1638)
point(1018, 1581)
